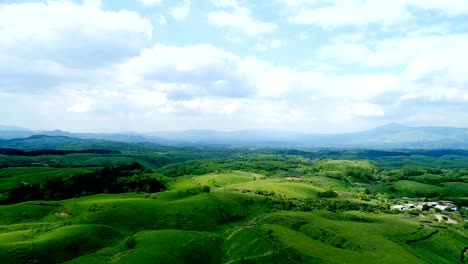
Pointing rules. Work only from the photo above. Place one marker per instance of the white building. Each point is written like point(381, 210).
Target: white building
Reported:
point(398, 207)
point(440, 207)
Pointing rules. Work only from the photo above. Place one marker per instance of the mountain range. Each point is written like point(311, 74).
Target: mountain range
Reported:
point(391, 136)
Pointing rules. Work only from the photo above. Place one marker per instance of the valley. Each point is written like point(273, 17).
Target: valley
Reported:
point(231, 205)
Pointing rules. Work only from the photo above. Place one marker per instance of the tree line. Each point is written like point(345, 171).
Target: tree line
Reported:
point(116, 179)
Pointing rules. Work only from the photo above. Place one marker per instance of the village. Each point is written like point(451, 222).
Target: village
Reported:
point(411, 204)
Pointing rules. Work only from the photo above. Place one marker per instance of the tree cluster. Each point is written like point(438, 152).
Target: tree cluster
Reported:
point(116, 179)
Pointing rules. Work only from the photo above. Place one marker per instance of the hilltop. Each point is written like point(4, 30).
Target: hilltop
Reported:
point(246, 206)
point(391, 136)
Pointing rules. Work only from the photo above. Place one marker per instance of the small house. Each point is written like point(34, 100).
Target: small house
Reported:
point(398, 207)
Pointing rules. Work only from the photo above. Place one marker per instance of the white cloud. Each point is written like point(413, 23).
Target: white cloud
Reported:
point(239, 17)
point(273, 44)
point(151, 2)
point(430, 50)
point(334, 13)
point(181, 12)
point(204, 70)
point(367, 110)
point(92, 3)
point(276, 82)
point(345, 52)
point(431, 67)
point(102, 72)
point(303, 36)
point(351, 12)
point(72, 34)
point(46, 44)
point(197, 70)
point(160, 19)
point(277, 43)
point(80, 107)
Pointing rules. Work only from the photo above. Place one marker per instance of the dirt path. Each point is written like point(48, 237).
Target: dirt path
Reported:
point(449, 220)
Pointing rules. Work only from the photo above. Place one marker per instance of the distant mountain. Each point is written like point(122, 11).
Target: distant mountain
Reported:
point(15, 128)
point(9, 134)
point(44, 142)
point(70, 143)
point(388, 136)
point(391, 136)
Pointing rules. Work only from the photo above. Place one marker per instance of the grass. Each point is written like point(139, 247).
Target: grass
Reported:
point(329, 240)
point(165, 246)
point(328, 183)
point(233, 223)
point(55, 246)
point(457, 189)
point(435, 249)
point(25, 212)
point(215, 180)
point(279, 187)
point(446, 161)
point(10, 177)
point(411, 189)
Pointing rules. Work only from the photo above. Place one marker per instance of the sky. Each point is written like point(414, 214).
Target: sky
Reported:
point(324, 66)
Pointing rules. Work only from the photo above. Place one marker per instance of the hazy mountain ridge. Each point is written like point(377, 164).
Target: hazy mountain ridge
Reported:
point(388, 136)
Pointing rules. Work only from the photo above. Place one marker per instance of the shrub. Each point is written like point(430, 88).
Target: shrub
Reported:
point(206, 189)
point(269, 232)
point(129, 242)
point(328, 194)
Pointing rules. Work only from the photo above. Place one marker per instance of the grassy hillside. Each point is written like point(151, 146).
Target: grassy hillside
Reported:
point(260, 208)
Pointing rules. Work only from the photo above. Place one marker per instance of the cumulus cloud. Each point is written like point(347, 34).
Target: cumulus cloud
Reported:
point(181, 12)
point(367, 109)
point(160, 19)
point(273, 44)
point(431, 65)
point(80, 67)
point(334, 13)
point(240, 18)
point(151, 2)
point(72, 34)
point(44, 44)
point(190, 71)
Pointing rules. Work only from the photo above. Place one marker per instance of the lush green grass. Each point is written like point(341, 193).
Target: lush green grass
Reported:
point(441, 247)
point(238, 221)
point(10, 177)
point(55, 245)
point(313, 237)
point(447, 161)
point(411, 189)
point(69, 160)
point(128, 213)
point(343, 165)
point(238, 181)
point(214, 180)
point(457, 189)
point(279, 187)
point(330, 238)
point(25, 212)
point(328, 183)
point(165, 246)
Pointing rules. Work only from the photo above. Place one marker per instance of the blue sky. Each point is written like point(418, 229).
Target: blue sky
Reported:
point(305, 65)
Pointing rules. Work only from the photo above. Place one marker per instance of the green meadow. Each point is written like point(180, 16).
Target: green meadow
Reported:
point(237, 209)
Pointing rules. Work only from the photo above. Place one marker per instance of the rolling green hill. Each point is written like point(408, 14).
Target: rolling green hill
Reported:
point(236, 208)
